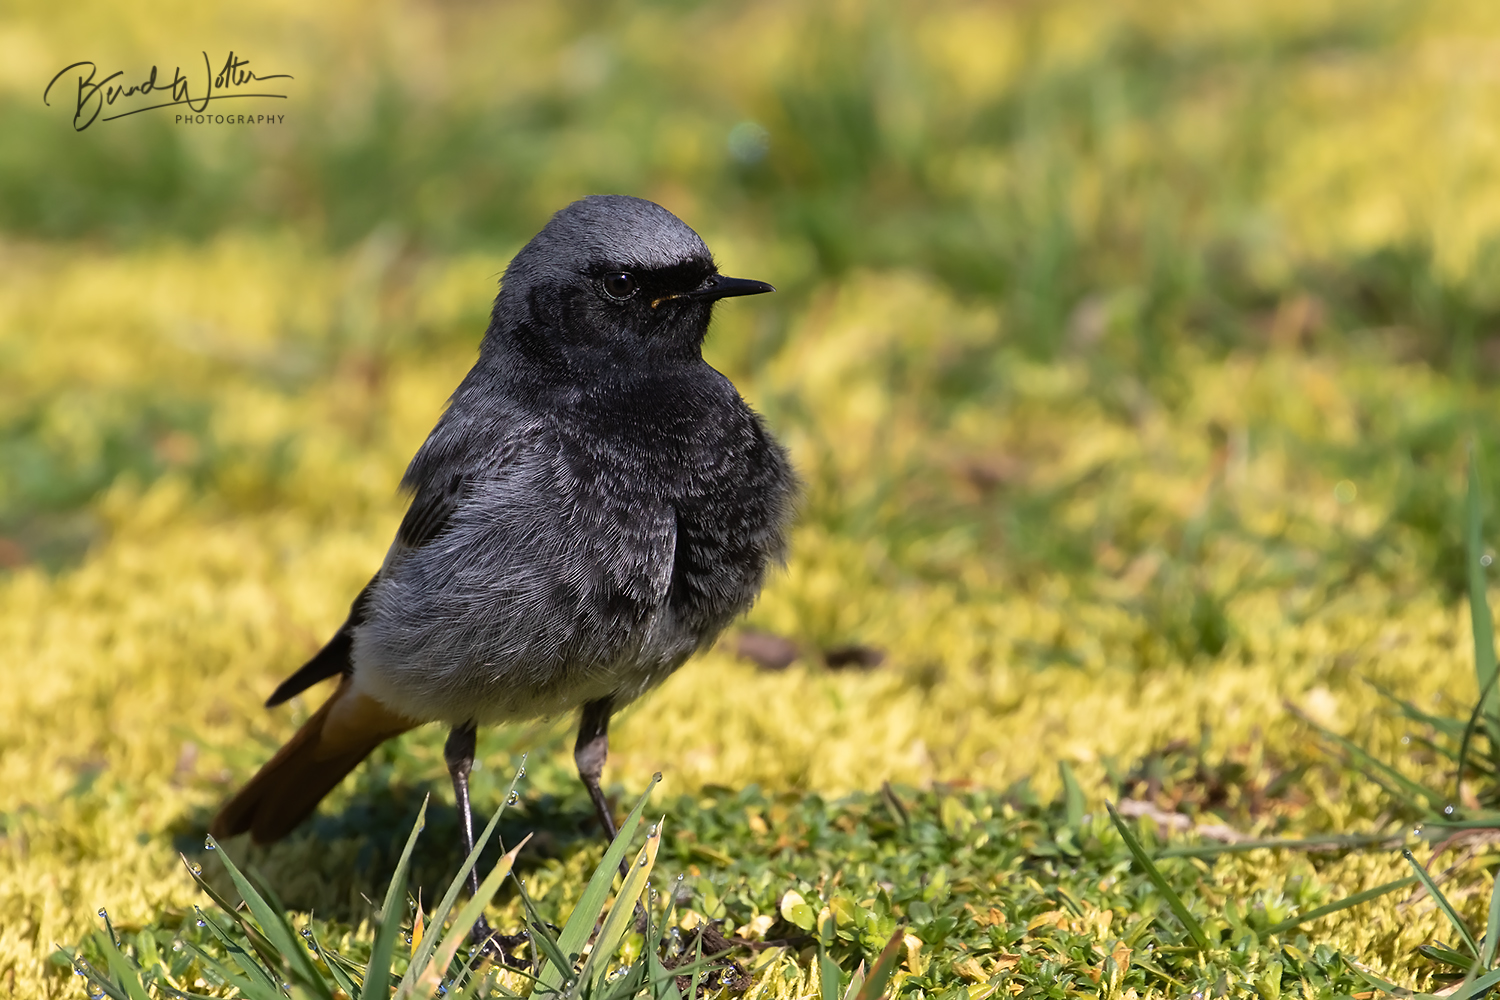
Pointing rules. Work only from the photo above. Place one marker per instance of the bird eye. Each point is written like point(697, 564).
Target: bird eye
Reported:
point(619, 285)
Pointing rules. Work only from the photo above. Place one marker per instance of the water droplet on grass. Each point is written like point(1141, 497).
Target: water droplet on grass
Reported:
point(103, 914)
point(196, 869)
point(1447, 810)
point(513, 798)
point(209, 845)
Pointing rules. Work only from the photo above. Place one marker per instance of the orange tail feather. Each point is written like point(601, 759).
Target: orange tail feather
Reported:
point(291, 784)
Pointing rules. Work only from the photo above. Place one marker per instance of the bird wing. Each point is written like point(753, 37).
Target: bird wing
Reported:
point(332, 659)
point(464, 448)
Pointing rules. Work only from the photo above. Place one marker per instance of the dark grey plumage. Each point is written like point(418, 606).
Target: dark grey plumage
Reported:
point(596, 503)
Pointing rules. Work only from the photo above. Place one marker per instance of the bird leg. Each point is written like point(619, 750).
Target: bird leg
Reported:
point(590, 752)
point(458, 752)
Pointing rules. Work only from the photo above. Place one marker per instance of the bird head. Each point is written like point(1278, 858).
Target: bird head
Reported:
point(612, 283)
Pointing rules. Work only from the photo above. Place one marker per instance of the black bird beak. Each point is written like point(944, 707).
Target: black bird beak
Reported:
point(720, 287)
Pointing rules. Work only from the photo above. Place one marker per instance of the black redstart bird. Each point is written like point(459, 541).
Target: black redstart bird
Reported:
point(596, 504)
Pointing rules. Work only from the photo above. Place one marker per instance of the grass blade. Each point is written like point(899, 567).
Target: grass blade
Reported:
point(542, 938)
point(829, 974)
point(1476, 987)
point(1410, 792)
point(377, 978)
point(1194, 929)
point(1342, 904)
point(241, 957)
point(340, 977)
point(1381, 985)
point(621, 914)
point(873, 986)
point(1491, 930)
point(1330, 842)
point(1447, 725)
point(1444, 905)
point(277, 930)
point(251, 989)
point(585, 915)
point(1479, 605)
point(698, 967)
point(440, 915)
point(429, 974)
point(1073, 801)
point(129, 976)
point(856, 982)
point(1468, 738)
point(258, 941)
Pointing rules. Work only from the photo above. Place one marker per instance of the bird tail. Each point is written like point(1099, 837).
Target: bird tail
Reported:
point(327, 747)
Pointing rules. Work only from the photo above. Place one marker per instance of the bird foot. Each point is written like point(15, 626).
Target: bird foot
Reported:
point(500, 948)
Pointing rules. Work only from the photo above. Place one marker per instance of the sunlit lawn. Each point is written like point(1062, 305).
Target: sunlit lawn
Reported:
point(1130, 355)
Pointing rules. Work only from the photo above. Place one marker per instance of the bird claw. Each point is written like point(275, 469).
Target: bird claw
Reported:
point(500, 948)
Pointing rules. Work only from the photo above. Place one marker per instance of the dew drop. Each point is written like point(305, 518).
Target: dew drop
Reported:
point(680, 878)
point(202, 922)
point(96, 992)
point(103, 914)
point(513, 798)
point(1416, 831)
point(642, 862)
point(656, 777)
point(1405, 740)
point(209, 845)
point(651, 832)
point(522, 772)
point(307, 933)
point(1448, 810)
point(408, 939)
point(196, 869)
point(176, 945)
point(727, 979)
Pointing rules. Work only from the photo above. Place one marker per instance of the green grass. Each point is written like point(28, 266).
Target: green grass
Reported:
point(1132, 355)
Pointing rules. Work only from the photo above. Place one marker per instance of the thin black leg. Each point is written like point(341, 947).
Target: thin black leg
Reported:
point(590, 752)
point(458, 752)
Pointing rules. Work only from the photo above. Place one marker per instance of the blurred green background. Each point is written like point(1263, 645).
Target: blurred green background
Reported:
point(1130, 353)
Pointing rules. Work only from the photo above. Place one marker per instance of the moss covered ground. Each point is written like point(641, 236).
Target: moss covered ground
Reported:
point(1131, 355)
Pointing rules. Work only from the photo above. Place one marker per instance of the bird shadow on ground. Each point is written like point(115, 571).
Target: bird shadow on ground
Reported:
point(339, 863)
